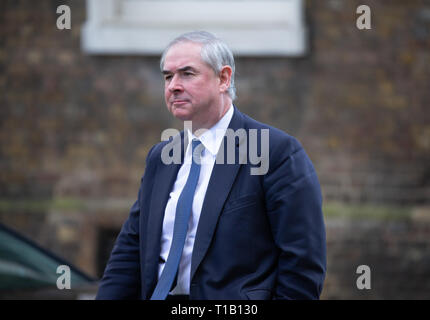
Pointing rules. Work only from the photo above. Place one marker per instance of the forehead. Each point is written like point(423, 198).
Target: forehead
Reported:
point(183, 54)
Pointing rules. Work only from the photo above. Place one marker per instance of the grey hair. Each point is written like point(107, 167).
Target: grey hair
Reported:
point(214, 52)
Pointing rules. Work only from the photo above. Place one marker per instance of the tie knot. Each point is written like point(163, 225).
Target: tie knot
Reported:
point(195, 143)
point(197, 149)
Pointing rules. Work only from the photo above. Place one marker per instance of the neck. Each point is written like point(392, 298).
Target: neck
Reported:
point(199, 128)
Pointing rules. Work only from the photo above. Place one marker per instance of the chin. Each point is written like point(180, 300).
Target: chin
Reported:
point(182, 115)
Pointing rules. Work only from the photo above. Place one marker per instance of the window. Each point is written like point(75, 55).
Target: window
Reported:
point(250, 28)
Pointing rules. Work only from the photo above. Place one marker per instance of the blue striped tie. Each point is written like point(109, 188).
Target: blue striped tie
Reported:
point(183, 212)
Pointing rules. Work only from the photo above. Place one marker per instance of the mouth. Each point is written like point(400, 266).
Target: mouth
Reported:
point(179, 102)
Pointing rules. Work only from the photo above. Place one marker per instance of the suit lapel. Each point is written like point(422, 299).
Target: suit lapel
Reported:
point(220, 184)
point(165, 178)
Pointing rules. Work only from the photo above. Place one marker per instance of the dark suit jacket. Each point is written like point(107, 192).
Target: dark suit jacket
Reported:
point(259, 236)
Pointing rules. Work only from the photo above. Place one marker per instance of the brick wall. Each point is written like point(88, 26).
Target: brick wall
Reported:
point(397, 253)
point(369, 128)
point(81, 125)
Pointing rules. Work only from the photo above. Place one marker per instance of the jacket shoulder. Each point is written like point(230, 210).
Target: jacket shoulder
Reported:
point(279, 141)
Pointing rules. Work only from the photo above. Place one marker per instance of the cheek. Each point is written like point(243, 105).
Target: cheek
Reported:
point(167, 94)
point(202, 89)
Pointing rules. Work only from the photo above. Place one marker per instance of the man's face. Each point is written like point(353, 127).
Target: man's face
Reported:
point(191, 88)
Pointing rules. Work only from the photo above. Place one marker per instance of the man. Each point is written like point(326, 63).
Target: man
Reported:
point(209, 229)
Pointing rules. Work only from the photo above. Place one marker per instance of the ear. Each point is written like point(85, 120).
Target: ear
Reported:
point(225, 78)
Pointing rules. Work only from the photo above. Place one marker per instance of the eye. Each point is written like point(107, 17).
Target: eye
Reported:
point(168, 77)
point(187, 73)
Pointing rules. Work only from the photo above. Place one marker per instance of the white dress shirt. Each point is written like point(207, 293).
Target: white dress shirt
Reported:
point(211, 140)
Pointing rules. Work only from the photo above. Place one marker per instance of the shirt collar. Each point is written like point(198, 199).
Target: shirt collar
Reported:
point(212, 138)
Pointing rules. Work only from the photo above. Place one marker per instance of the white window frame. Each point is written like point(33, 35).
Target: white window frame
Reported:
point(250, 28)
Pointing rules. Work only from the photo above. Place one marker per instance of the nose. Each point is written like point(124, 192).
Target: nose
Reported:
point(175, 84)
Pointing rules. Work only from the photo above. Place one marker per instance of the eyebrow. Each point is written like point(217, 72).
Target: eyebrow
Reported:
point(183, 69)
